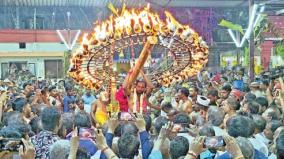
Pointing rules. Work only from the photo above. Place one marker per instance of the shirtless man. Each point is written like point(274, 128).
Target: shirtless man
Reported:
point(185, 104)
point(125, 95)
point(98, 110)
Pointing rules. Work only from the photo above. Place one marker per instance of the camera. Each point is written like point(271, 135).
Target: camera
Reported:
point(180, 128)
point(125, 116)
point(10, 144)
point(214, 142)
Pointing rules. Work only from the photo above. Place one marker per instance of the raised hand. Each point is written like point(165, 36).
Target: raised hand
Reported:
point(100, 139)
point(26, 151)
point(140, 122)
point(113, 123)
point(232, 147)
point(196, 147)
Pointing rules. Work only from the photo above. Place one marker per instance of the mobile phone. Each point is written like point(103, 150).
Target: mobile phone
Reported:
point(10, 144)
point(125, 116)
point(214, 142)
point(180, 128)
point(86, 132)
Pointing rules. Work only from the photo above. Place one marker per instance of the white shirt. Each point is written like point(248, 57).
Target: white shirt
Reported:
point(261, 137)
point(187, 136)
point(218, 131)
point(258, 145)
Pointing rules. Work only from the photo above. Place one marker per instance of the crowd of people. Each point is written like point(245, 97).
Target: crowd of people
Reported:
point(219, 116)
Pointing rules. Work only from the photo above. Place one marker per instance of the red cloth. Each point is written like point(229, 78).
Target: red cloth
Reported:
point(123, 101)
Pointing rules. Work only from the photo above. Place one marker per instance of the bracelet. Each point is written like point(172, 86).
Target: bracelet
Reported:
point(104, 149)
point(191, 153)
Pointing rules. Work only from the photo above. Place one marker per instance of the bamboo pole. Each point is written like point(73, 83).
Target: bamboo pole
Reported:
point(142, 59)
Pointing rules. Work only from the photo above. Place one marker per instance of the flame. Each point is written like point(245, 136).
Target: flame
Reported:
point(127, 22)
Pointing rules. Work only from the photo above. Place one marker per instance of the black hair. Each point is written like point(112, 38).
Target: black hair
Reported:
point(50, 118)
point(179, 147)
point(117, 130)
point(246, 88)
point(35, 124)
point(148, 122)
point(250, 96)
point(215, 116)
point(68, 121)
point(233, 103)
point(275, 124)
point(259, 122)
point(51, 88)
point(159, 123)
point(206, 130)
point(253, 107)
point(26, 84)
point(182, 118)
point(18, 104)
point(21, 126)
point(236, 125)
point(184, 91)
point(227, 88)
point(265, 82)
point(213, 92)
point(166, 106)
point(10, 132)
point(141, 81)
point(82, 154)
point(129, 128)
point(82, 119)
point(262, 101)
point(128, 146)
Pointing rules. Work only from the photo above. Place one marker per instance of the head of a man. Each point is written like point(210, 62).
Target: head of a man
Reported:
point(82, 119)
point(225, 92)
point(236, 124)
point(159, 122)
point(182, 118)
point(264, 85)
point(141, 87)
point(206, 130)
point(260, 123)
point(68, 122)
point(166, 107)
point(212, 95)
point(251, 107)
point(246, 147)
point(128, 146)
point(69, 91)
point(59, 149)
point(27, 87)
point(50, 119)
point(263, 103)
point(179, 147)
point(183, 93)
point(271, 127)
point(22, 105)
point(193, 91)
point(271, 113)
point(230, 105)
point(215, 116)
point(129, 128)
point(53, 91)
